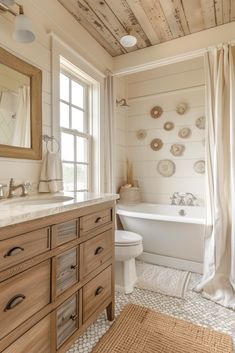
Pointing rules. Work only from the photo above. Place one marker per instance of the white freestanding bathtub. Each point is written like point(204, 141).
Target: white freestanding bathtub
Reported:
point(172, 235)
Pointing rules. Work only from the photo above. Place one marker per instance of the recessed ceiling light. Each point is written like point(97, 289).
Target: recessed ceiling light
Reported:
point(128, 41)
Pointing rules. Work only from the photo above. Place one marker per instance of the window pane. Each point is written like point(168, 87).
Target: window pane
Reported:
point(64, 115)
point(64, 87)
point(67, 147)
point(68, 176)
point(82, 149)
point(82, 177)
point(77, 120)
point(77, 94)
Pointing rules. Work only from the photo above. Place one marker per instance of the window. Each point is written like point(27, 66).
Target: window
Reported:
point(75, 136)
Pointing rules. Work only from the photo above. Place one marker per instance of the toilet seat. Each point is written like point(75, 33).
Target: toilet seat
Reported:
point(125, 238)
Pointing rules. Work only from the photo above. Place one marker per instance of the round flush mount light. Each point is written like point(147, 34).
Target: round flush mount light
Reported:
point(128, 41)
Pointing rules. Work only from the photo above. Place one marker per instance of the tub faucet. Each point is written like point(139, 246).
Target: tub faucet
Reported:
point(174, 198)
point(13, 187)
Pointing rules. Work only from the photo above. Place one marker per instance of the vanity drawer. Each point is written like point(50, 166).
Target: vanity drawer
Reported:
point(64, 232)
point(23, 247)
point(96, 251)
point(95, 292)
point(66, 319)
point(23, 295)
point(67, 270)
point(36, 340)
point(95, 220)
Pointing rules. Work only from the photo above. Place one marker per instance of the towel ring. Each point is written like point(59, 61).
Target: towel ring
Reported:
point(51, 139)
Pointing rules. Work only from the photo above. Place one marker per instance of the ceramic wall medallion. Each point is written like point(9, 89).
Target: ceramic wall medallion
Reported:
point(177, 149)
point(168, 126)
point(181, 108)
point(156, 144)
point(166, 167)
point(156, 112)
point(184, 133)
point(141, 134)
point(199, 167)
point(201, 122)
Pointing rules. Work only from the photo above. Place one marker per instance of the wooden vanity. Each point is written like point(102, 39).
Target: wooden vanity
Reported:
point(56, 277)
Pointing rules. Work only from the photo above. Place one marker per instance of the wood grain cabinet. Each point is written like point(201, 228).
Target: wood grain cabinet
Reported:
point(56, 277)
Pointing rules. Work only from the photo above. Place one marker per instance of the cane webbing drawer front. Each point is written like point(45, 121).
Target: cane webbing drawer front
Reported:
point(65, 232)
point(24, 295)
point(23, 247)
point(96, 251)
point(95, 220)
point(36, 340)
point(95, 292)
point(67, 319)
point(67, 270)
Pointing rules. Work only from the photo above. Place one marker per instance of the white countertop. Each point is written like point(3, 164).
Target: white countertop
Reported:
point(17, 210)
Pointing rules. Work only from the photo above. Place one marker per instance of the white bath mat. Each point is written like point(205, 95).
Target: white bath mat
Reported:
point(163, 280)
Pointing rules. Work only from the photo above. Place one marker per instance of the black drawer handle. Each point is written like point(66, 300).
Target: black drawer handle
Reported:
point(13, 302)
point(99, 220)
point(99, 250)
point(73, 317)
point(14, 251)
point(99, 290)
point(73, 267)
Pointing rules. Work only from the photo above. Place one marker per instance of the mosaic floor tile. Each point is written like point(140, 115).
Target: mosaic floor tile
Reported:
point(193, 308)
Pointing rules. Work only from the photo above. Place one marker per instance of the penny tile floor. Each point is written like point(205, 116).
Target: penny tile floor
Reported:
point(193, 308)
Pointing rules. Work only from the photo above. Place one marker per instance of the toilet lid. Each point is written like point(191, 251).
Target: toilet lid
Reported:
point(125, 238)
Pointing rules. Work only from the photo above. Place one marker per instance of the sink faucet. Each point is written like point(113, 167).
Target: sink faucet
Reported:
point(13, 187)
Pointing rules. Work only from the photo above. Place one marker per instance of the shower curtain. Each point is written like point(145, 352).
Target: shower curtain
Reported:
point(22, 132)
point(218, 282)
point(108, 130)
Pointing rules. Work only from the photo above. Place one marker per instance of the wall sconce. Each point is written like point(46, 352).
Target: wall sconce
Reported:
point(23, 30)
point(122, 103)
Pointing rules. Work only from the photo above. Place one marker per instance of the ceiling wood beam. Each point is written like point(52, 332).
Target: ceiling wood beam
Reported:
point(193, 13)
point(232, 10)
point(172, 18)
point(208, 13)
point(219, 12)
point(143, 20)
point(226, 11)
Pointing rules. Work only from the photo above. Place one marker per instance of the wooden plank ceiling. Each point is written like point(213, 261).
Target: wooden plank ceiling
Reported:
point(151, 21)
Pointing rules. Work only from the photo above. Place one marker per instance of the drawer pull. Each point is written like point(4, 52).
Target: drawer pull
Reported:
point(99, 250)
point(73, 267)
point(73, 317)
point(13, 302)
point(98, 220)
point(99, 290)
point(14, 251)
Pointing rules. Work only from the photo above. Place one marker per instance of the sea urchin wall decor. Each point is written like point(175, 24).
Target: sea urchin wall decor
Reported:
point(168, 126)
point(199, 167)
point(156, 112)
point(201, 122)
point(166, 167)
point(181, 108)
point(184, 133)
point(156, 144)
point(177, 149)
point(141, 134)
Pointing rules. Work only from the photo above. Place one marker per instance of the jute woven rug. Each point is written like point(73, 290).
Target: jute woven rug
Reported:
point(142, 330)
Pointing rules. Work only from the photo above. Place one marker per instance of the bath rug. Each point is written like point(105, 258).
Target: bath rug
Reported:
point(142, 330)
point(164, 280)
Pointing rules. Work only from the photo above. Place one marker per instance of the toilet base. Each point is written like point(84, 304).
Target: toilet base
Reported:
point(125, 275)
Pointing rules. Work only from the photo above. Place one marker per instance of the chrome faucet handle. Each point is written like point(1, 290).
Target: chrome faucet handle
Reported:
point(182, 201)
point(2, 186)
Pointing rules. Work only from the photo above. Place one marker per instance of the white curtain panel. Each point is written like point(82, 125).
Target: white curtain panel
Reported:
point(22, 133)
point(109, 139)
point(218, 282)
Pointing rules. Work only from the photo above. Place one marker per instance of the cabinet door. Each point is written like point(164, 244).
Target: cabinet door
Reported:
point(36, 340)
point(66, 319)
point(65, 232)
point(24, 295)
point(67, 270)
point(95, 292)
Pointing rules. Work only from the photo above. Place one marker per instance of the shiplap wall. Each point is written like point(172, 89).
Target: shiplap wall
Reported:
point(166, 86)
point(120, 136)
point(46, 16)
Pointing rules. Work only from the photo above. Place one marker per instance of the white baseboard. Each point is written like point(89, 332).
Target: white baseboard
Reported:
point(172, 262)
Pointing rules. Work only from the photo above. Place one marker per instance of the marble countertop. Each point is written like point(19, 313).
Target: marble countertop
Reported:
point(22, 209)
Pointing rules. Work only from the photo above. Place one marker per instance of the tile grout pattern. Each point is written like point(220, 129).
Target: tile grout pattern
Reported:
point(193, 308)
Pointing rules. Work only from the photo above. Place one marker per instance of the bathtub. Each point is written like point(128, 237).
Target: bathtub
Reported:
point(172, 235)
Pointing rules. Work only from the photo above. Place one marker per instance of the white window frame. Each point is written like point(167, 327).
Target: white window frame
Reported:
point(75, 133)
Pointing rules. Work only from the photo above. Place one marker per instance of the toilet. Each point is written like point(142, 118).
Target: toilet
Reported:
point(128, 246)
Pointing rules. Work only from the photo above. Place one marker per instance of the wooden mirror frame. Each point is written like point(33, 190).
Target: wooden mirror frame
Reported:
point(35, 75)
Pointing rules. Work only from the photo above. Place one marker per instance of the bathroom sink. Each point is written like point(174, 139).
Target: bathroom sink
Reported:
point(41, 200)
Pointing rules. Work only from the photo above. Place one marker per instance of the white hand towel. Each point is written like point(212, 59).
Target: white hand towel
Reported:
point(51, 179)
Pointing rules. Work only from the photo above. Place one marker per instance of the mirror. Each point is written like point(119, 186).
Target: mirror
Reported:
point(20, 108)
